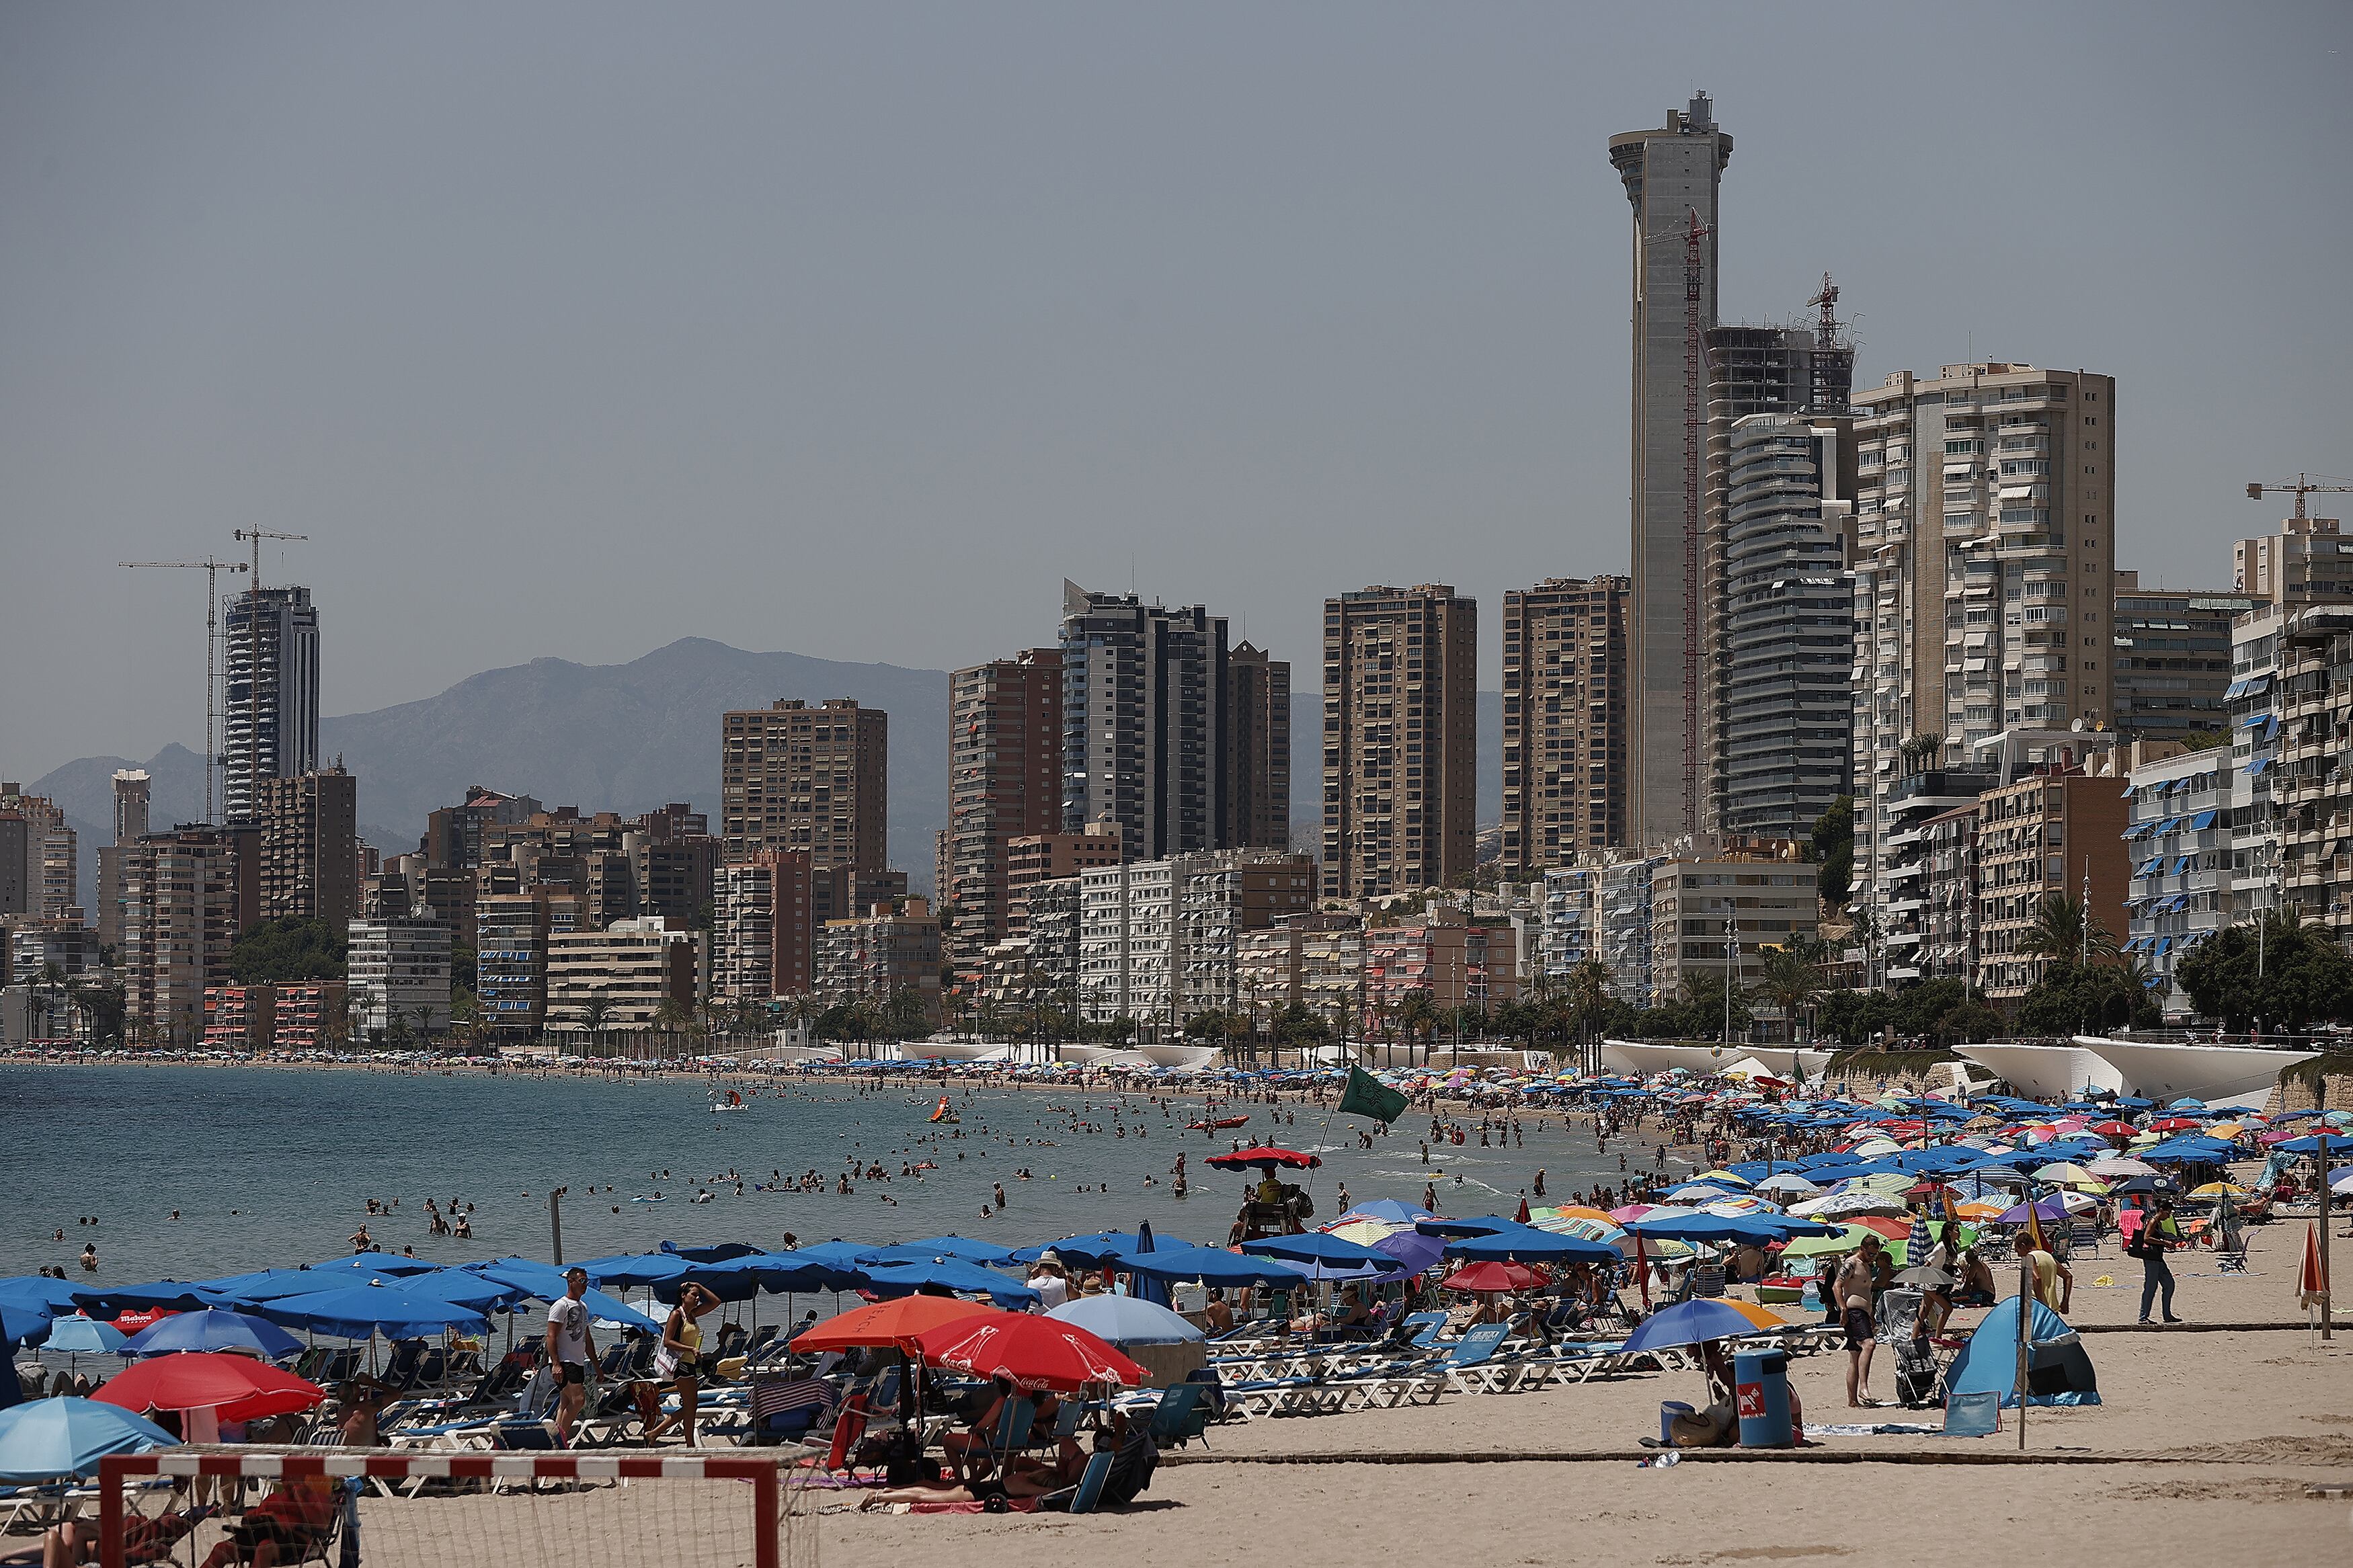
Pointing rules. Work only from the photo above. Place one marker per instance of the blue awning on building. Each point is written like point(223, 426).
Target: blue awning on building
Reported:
point(2258, 765)
point(2183, 864)
point(2203, 821)
point(2253, 720)
point(2162, 943)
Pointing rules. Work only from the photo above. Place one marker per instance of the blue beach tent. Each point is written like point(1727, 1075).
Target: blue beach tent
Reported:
point(2058, 1372)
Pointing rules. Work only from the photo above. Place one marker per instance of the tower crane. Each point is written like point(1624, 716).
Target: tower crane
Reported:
point(212, 570)
point(2301, 488)
point(253, 670)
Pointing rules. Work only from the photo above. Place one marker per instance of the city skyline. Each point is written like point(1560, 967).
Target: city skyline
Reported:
point(1251, 394)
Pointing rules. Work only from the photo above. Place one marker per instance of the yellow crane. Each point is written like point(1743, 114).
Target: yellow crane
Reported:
point(212, 570)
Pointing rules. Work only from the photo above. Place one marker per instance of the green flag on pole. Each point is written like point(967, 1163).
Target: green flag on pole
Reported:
point(1369, 1096)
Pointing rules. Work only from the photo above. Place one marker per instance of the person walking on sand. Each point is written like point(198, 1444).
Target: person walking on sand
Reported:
point(2157, 1235)
point(570, 1351)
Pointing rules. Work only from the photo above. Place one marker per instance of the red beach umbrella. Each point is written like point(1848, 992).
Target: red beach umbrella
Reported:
point(239, 1388)
point(1036, 1352)
point(894, 1323)
point(1495, 1275)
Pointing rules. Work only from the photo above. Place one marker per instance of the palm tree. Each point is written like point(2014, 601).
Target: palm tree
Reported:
point(1791, 982)
point(2064, 930)
point(1588, 991)
point(1417, 1014)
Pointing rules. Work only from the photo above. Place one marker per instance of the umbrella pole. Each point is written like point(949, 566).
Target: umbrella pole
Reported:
point(2025, 1338)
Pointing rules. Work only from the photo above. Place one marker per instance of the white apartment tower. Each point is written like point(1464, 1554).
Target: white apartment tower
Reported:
point(1984, 562)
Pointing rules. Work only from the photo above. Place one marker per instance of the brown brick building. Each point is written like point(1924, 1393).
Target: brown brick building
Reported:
point(1565, 690)
point(1400, 739)
point(815, 779)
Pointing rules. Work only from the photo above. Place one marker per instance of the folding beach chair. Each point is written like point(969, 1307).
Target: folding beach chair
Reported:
point(1181, 1415)
point(2084, 1241)
point(1973, 1414)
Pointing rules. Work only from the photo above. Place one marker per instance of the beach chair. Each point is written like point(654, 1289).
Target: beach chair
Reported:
point(1089, 1492)
point(1707, 1280)
point(2084, 1241)
point(1404, 1384)
point(847, 1428)
point(1181, 1415)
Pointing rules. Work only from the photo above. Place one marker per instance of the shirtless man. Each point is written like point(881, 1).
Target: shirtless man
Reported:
point(1857, 1279)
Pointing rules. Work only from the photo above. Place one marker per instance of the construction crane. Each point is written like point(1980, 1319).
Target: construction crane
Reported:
point(2301, 488)
point(253, 669)
point(212, 570)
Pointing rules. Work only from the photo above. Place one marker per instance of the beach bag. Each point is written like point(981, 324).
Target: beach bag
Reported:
point(665, 1365)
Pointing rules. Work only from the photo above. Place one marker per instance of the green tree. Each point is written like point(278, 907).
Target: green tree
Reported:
point(269, 952)
point(1791, 981)
point(2305, 977)
point(1417, 1014)
point(1832, 844)
point(2090, 998)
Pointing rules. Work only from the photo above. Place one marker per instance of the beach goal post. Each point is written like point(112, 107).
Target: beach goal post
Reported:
point(377, 1507)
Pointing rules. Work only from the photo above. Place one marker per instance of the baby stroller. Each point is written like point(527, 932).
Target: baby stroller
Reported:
point(1919, 1373)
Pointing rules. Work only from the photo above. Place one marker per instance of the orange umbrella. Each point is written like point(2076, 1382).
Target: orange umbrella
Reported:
point(898, 1321)
point(1894, 1229)
point(238, 1387)
point(1755, 1313)
point(1034, 1351)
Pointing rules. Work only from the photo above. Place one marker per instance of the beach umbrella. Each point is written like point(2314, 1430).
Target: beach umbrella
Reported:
point(172, 1295)
point(1127, 1321)
point(1387, 1211)
point(946, 1273)
point(986, 1253)
point(1789, 1183)
point(1318, 1247)
point(1035, 1352)
point(214, 1328)
point(1091, 1251)
point(2067, 1175)
point(2052, 1208)
point(2121, 1165)
point(23, 1322)
point(237, 1387)
point(81, 1335)
point(1693, 1322)
point(363, 1311)
point(540, 1282)
point(1211, 1266)
point(894, 1323)
point(2219, 1189)
point(1526, 1244)
point(38, 1290)
point(1495, 1275)
point(629, 1270)
point(390, 1265)
point(50, 1439)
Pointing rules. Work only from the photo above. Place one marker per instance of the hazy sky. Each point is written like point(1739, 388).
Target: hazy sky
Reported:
point(569, 330)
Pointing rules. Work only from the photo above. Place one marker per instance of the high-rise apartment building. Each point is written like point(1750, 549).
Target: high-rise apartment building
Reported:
point(623, 977)
point(309, 837)
point(131, 796)
point(510, 961)
point(181, 910)
point(1777, 629)
point(1258, 751)
point(1157, 938)
point(269, 695)
point(1144, 715)
point(2172, 659)
point(1671, 175)
point(797, 777)
point(1004, 782)
point(398, 974)
point(40, 866)
point(882, 953)
point(1565, 696)
point(1401, 739)
point(1985, 553)
point(2307, 562)
point(2059, 831)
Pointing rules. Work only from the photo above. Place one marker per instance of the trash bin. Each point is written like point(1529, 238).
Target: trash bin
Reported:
point(1761, 1386)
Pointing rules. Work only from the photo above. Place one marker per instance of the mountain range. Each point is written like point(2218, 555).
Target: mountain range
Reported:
point(630, 737)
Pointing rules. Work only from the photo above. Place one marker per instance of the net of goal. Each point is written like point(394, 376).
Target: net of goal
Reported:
point(381, 1507)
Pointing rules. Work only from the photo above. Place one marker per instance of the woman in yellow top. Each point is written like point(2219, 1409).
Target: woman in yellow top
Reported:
point(681, 1350)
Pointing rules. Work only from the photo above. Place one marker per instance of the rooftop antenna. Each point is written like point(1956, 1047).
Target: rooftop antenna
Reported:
point(212, 570)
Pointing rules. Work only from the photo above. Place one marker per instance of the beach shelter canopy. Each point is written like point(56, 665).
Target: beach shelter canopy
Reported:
point(238, 1387)
point(50, 1439)
point(2059, 1372)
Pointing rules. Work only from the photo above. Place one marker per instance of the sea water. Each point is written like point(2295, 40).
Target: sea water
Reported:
point(272, 1167)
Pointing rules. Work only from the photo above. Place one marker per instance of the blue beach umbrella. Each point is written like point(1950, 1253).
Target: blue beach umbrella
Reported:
point(1690, 1323)
point(943, 1273)
point(361, 1311)
point(1127, 1321)
point(214, 1328)
point(986, 1253)
point(1210, 1266)
point(1526, 1244)
point(1091, 1251)
point(38, 1290)
point(1315, 1247)
point(391, 1264)
point(540, 1282)
point(629, 1270)
point(49, 1439)
point(172, 1295)
point(86, 1336)
point(23, 1322)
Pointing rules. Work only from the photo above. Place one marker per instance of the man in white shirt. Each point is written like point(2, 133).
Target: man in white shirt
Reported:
point(1046, 1277)
point(570, 1351)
